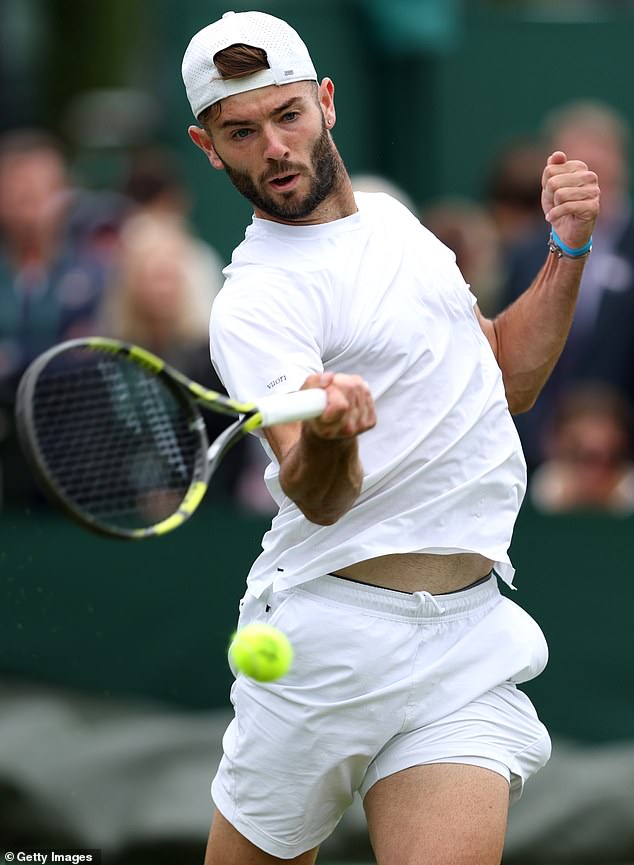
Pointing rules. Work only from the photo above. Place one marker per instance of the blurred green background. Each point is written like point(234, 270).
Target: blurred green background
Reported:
point(153, 618)
point(427, 91)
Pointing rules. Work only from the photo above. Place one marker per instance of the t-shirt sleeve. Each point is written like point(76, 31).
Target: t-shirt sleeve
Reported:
point(265, 335)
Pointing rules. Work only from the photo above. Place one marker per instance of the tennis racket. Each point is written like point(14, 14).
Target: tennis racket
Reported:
point(116, 439)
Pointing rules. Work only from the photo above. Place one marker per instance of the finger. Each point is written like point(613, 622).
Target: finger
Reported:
point(573, 178)
point(554, 195)
point(317, 379)
point(369, 419)
point(572, 193)
point(556, 158)
point(366, 416)
point(346, 381)
point(570, 165)
point(351, 422)
point(336, 407)
point(557, 174)
point(582, 211)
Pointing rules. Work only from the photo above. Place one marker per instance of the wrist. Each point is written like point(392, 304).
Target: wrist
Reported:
point(558, 248)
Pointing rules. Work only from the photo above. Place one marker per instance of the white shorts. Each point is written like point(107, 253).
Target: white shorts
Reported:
point(381, 681)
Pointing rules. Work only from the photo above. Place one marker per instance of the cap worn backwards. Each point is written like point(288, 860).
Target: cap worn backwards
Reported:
point(286, 53)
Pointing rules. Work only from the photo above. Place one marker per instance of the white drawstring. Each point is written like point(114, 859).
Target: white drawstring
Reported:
point(423, 597)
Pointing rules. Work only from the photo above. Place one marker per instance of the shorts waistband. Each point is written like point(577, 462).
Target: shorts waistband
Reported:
point(418, 605)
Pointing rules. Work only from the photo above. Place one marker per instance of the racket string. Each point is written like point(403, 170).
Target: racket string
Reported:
point(117, 439)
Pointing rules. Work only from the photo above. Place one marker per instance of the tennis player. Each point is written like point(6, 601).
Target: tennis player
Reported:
point(397, 505)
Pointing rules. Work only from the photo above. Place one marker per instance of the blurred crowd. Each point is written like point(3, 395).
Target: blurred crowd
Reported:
point(578, 436)
point(126, 262)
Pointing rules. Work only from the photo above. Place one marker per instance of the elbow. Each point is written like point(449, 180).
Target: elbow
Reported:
point(322, 519)
point(327, 510)
point(521, 393)
point(322, 516)
point(519, 403)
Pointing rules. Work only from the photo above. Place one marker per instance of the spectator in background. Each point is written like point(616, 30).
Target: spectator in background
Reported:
point(165, 282)
point(153, 184)
point(468, 230)
point(51, 279)
point(589, 454)
point(154, 189)
point(161, 293)
point(512, 191)
point(601, 342)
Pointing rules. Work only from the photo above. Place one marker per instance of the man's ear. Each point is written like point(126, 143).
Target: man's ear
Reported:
point(201, 139)
point(326, 95)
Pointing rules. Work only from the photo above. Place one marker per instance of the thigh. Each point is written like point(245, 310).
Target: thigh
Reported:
point(438, 814)
point(226, 846)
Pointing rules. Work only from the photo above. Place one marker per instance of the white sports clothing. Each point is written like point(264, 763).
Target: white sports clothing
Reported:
point(378, 295)
point(381, 681)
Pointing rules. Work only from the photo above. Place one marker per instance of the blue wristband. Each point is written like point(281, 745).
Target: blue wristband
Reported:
point(557, 246)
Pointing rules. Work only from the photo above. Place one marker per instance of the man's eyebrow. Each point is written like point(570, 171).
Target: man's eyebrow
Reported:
point(277, 110)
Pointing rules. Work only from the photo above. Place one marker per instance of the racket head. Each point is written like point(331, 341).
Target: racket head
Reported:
point(112, 438)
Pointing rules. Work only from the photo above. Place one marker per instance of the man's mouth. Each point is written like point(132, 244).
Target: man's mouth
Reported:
point(285, 182)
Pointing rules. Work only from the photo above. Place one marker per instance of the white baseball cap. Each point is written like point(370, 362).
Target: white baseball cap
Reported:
point(286, 53)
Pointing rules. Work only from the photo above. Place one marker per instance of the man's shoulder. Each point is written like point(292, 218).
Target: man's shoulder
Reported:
point(252, 291)
point(382, 203)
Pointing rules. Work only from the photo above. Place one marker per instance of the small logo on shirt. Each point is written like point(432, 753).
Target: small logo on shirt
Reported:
point(275, 382)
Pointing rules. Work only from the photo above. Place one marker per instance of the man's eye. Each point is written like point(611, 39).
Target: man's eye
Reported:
point(290, 116)
point(241, 134)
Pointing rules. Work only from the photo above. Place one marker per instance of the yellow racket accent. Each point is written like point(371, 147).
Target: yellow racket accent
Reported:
point(254, 422)
point(188, 506)
point(210, 396)
point(103, 344)
point(146, 358)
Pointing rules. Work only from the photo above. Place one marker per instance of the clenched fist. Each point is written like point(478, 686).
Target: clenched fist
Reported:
point(570, 198)
point(350, 407)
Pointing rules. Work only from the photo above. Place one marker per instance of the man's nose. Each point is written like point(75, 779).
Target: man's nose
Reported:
point(275, 146)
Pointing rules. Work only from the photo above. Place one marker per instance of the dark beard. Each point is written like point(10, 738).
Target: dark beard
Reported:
point(325, 163)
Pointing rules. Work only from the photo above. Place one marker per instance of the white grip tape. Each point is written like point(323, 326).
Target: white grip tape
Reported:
point(287, 407)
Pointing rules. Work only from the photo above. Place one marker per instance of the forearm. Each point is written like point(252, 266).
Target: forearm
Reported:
point(530, 335)
point(322, 476)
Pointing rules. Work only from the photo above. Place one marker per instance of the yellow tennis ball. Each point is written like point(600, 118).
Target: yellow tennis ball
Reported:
point(261, 652)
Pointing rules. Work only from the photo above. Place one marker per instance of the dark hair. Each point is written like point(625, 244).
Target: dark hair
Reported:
point(595, 399)
point(20, 141)
point(236, 61)
point(515, 176)
point(150, 174)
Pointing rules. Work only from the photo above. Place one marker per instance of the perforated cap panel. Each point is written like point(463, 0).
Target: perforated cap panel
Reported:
point(287, 55)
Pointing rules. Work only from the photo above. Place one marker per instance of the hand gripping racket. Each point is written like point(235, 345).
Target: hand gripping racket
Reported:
point(115, 437)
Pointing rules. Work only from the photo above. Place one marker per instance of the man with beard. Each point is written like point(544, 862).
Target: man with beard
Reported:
point(396, 506)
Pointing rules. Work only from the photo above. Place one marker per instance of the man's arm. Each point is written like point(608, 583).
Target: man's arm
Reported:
point(528, 337)
point(320, 469)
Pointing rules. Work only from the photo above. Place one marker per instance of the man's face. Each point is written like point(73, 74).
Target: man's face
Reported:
point(276, 149)
point(32, 187)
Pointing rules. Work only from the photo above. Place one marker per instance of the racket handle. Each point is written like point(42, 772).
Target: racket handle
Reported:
point(287, 407)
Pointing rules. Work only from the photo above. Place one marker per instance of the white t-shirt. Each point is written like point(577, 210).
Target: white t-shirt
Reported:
point(378, 295)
